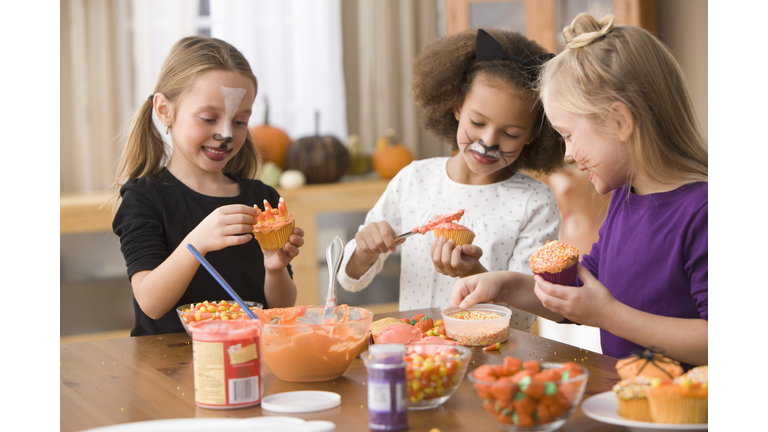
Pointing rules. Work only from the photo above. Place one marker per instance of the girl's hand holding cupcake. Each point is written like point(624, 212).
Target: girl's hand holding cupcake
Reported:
point(223, 227)
point(591, 304)
point(278, 259)
point(455, 261)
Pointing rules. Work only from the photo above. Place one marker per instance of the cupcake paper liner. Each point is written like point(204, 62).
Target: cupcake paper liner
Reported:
point(460, 237)
point(635, 409)
point(564, 277)
point(274, 239)
point(678, 409)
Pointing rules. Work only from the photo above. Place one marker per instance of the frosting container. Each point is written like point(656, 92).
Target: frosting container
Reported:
point(227, 363)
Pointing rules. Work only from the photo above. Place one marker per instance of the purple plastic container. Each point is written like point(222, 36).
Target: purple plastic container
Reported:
point(387, 387)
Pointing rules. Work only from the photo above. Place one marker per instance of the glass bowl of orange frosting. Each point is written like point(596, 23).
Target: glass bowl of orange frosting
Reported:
point(306, 348)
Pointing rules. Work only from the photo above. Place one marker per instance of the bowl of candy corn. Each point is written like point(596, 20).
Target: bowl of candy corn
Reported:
point(213, 310)
point(528, 395)
point(434, 372)
point(479, 325)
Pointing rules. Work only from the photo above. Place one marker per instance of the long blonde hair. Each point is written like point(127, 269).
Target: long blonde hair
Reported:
point(604, 63)
point(145, 154)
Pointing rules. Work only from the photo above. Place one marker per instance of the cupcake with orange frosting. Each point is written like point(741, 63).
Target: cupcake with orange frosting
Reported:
point(649, 364)
point(444, 226)
point(685, 400)
point(274, 226)
point(555, 262)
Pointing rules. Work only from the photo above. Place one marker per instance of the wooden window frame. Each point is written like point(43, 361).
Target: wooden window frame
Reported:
point(540, 17)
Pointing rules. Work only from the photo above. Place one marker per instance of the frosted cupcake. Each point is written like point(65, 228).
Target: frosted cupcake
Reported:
point(649, 364)
point(555, 262)
point(274, 226)
point(685, 400)
point(632, 396)
point(460, 234)
point(444, 226)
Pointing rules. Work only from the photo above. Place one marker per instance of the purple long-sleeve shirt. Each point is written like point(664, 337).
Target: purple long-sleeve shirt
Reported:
point(652, 256)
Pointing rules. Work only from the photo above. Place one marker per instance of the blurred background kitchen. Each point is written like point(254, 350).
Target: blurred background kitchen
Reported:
point(328, 67)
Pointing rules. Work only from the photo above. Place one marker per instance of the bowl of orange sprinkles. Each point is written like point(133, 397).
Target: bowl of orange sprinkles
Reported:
point(479, 325)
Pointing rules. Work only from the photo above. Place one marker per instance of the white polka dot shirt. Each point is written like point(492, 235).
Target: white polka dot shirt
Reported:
point(510, 219)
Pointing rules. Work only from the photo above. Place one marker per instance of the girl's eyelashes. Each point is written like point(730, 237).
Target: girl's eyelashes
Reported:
point(506, 134)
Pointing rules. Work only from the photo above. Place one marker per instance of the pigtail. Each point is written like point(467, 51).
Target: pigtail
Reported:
point(145, 154)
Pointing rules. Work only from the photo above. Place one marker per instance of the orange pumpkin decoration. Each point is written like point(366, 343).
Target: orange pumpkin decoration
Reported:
point(389, 157)
point(271, 142)
point(425, 324)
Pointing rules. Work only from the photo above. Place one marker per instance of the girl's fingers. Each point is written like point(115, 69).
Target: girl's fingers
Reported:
point(456, 260)
point(446, 251)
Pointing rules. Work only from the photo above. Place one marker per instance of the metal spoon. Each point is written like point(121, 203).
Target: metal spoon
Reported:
point(333, 256)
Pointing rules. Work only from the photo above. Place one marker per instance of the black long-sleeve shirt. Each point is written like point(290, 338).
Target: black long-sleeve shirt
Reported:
point(156, 214)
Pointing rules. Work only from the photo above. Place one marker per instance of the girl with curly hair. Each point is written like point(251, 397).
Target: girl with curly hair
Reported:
point(475, 90)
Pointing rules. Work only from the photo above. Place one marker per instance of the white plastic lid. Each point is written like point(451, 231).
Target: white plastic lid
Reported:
point(301, 401)
point(380, 351)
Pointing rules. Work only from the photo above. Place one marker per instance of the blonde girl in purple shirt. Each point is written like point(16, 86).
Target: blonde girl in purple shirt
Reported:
point(618, 98)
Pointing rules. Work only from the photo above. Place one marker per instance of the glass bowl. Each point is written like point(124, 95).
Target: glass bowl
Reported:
point(477, 332)
point(224, 310)
point(523, 400)
point(434, 372)
point(309, 350)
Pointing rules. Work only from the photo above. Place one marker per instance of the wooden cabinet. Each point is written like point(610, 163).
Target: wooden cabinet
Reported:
point(542, 20)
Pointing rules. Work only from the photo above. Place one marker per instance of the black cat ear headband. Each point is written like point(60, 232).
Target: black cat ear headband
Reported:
point(486, 48)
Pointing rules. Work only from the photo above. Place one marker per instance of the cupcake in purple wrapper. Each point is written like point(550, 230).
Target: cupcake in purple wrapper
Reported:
point(555, 262)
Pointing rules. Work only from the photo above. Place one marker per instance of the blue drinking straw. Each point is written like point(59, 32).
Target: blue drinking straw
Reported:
point(221, 281)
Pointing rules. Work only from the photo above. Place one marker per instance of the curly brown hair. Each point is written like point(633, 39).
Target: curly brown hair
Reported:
point(443, 75)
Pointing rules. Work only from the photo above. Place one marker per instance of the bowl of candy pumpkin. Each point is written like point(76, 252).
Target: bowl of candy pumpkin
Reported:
point(529, 395)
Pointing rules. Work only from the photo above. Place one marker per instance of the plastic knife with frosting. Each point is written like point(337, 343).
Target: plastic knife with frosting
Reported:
point(431, 224)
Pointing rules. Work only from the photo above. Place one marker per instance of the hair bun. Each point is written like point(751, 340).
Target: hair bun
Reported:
point(585, 29)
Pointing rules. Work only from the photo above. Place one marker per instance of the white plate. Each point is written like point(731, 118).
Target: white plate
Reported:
point(253, 424)
point(300, 401)
point(605, 408)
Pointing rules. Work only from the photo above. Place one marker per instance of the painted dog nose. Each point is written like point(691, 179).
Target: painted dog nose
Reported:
point(224, 140)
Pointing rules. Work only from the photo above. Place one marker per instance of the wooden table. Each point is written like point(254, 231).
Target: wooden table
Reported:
point(151, 377)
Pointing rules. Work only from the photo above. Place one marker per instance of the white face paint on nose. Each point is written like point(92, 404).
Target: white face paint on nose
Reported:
point(481, 148)
point(232, 98)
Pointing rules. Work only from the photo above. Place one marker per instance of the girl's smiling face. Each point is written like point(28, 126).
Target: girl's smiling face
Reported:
point(496, 121)
point(211, 121)
point(605, 158)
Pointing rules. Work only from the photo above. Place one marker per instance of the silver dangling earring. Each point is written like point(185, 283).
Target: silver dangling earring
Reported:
point(167, 127)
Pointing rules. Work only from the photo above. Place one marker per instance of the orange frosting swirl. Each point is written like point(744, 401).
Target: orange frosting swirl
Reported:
point(439, 220)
